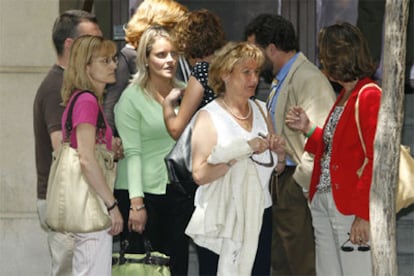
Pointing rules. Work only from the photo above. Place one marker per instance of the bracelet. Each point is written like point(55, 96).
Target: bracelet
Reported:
point(310, 132)
point(137, 208)
point(110, 208)
point(281, 161)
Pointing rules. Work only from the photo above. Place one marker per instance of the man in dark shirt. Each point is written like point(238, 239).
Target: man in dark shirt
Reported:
point(47, 114)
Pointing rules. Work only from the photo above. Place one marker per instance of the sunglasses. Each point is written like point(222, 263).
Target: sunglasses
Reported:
point(270, 163)
point(350, 248)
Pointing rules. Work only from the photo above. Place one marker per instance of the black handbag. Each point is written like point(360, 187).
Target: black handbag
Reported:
point(178, 162)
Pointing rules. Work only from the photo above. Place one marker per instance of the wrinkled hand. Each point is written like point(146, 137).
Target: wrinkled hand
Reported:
point(117, 221)
point(277, 144)
point(258, 144)
point(359, 231)
point(297, 119)
point(173, 97)
point(137, 220)
point(117, 148)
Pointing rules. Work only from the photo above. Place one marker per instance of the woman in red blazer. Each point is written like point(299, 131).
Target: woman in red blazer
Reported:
point(339, 196)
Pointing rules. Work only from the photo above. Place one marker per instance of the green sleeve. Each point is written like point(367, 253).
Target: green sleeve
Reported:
point(128, 122)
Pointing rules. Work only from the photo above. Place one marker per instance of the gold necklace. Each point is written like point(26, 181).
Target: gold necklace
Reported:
point(237, 116)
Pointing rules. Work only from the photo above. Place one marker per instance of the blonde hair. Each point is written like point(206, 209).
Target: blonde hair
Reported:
point(83, 50)
point(149, 37)
point(165, 13)
point(226, 58)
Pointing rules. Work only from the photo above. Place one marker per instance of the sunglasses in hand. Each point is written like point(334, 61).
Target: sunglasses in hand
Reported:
point(349, 248)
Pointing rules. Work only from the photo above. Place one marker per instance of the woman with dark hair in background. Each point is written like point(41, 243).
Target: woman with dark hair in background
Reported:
point(198, 36)
point(340, 185)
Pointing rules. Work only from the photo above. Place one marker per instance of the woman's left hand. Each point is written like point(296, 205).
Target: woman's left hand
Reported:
point(277, 144)
point(360, 231)
point(117, 221)
point(173, 97)
point(258, 144)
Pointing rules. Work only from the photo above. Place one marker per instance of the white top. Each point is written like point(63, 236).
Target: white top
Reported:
point(229, 131)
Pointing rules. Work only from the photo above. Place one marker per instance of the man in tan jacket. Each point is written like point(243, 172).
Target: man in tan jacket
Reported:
point(297, 82)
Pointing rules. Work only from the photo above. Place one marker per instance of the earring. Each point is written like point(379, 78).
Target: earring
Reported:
point(146, 65)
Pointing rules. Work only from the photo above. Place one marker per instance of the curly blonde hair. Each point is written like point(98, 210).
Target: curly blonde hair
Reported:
point(165, 13)
point(226, 58)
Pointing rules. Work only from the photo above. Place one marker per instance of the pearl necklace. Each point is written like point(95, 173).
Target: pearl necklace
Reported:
point(237, 116)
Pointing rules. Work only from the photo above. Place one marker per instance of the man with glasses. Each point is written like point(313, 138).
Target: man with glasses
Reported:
point(297, 82)
point(47, 113)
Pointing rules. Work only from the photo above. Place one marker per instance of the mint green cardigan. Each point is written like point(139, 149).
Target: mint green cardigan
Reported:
point(140, 123)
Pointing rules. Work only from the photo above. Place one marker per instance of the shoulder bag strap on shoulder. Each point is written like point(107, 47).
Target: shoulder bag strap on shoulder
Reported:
point(268, 124)
point(100, 123)
point(357, 121)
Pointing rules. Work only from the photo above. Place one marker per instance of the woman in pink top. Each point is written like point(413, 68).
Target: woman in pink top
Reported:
point(91, 66)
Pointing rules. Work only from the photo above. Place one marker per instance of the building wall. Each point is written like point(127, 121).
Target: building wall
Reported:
point(26, 53)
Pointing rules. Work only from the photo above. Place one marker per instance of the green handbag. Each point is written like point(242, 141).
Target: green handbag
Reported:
point(152, 263)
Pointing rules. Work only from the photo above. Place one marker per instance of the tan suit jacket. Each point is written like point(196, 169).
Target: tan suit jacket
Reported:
point(305, 86)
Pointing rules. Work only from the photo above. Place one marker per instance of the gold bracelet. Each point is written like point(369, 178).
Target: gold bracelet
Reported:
point(137, 208)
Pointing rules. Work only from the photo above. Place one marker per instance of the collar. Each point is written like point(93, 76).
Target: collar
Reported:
point(286, 68)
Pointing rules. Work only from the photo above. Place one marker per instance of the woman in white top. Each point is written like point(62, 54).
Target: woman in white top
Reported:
point(234, 154)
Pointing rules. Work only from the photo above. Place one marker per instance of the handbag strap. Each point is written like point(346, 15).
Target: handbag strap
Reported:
point(100, 122)
point(149, 257)
point(357, 121)
point(269, 128)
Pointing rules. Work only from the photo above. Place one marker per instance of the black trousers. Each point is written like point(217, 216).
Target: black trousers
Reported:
point(168, 216)
point(208, 260)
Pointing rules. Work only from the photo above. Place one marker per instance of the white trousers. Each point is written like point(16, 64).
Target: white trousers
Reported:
point(331, 231)
point(92, 254)
point(78, 254)
point(60, 245)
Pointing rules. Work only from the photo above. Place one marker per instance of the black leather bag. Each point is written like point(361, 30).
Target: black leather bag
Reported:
point(178, 163)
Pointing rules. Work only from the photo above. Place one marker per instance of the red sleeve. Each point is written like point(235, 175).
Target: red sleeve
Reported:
point(314, 140)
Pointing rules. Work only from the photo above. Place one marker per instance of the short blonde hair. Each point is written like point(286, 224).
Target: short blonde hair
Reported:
point(226, 58)
point(83, 50)
point(165, 13)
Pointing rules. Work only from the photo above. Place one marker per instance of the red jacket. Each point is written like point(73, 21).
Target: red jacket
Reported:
point(350, 193)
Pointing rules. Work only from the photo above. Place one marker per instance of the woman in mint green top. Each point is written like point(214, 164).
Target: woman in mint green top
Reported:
point(146, 142)
point(146, 200)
